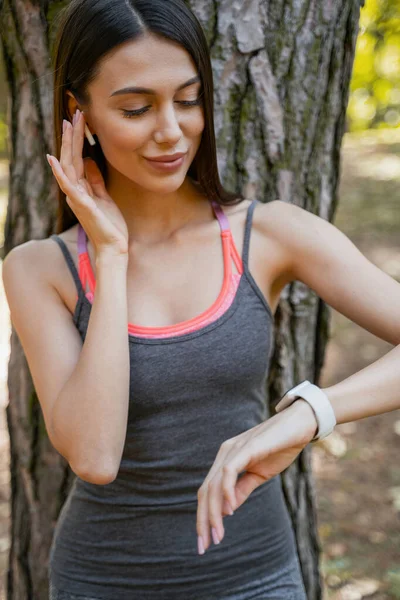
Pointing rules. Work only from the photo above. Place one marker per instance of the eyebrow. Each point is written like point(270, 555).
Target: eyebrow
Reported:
point(142, 90)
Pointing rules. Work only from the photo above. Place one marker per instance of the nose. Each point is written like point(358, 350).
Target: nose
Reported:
point(168, 129)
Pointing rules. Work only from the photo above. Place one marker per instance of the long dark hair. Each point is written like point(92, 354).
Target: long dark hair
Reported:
point(87, 30)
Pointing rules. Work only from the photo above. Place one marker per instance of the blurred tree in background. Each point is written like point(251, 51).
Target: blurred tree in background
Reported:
point(3, 109)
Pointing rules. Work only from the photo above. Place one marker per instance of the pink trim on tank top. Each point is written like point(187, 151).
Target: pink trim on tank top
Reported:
point(222, 303)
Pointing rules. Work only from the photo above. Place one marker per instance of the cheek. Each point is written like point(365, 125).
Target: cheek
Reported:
point(193, 125)
point(126, 135)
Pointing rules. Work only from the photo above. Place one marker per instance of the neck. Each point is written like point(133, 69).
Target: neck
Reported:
point(153, 217)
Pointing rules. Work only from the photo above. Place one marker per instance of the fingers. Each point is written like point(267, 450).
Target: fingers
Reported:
point(246, 485)
point(221, 488)
point(77, 145)
point(75, 194)
point(66, 152)
point(215, 501)
point(211, 502)
point(94, 176)
point(84, 174)
point(70, 169)
point(60, 176)
point(72, 147)
point(203, 523)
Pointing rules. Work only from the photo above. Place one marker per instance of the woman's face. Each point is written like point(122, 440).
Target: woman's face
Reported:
point(164, 117)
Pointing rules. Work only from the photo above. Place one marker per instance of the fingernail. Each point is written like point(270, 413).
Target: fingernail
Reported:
point(48, 159)
point(214, 535)
point(64, 125)
point(200, 544)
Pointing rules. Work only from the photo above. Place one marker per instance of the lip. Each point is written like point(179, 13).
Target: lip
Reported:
point(167, 157)
point(167, 163)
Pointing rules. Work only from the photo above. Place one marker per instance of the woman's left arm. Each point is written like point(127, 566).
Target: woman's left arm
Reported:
point(326, 260)
point(371, 391)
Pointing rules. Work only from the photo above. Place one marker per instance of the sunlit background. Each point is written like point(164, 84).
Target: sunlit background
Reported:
point(357, 468)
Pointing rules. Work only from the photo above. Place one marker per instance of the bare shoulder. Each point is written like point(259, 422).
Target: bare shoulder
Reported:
point(237, 209)
point(272, 222)
point(40, 263)
point(27, 261)
point(286, 240)
point(39, 253)
point(276, 216)
point(311, 246)
point(287, 227)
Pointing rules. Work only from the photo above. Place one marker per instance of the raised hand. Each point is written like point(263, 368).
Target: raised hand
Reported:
point(262, 452)
point(82, 182)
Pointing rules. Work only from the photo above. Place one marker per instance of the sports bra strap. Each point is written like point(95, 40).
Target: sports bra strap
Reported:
point(221, 216)
point(81, 240)
point(70, 263)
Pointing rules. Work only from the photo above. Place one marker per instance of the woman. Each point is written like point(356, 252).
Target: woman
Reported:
point(167, 427)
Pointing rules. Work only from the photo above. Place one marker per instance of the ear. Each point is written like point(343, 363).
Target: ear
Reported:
point(72, 106)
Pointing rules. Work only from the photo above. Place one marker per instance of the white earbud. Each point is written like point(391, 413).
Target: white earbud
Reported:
point(89, 136)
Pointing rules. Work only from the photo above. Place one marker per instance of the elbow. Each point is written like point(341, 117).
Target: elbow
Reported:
point(101, 475)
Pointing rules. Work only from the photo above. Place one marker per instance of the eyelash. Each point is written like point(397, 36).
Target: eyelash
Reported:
point(129, 114)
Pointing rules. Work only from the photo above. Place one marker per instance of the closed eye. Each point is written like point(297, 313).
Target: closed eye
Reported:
point(136, 113)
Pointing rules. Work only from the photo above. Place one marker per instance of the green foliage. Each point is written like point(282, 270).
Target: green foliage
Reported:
point(393, 577)
point(375, 87)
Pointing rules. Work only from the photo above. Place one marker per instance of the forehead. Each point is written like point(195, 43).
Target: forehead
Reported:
point(149, 61)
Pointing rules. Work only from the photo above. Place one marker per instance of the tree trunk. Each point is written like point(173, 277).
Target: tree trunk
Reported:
point(282, 71)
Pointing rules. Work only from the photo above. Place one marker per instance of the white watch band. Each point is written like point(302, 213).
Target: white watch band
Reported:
point(318, 401)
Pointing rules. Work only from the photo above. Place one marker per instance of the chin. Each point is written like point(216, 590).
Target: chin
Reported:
point(165, 184)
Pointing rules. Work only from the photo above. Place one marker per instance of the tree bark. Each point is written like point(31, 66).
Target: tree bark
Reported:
point(282, 71)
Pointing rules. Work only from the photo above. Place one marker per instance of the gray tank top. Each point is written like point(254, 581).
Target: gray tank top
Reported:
point(192, 386)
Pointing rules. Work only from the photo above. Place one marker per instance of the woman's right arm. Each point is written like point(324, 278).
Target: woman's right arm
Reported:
point(83, 389)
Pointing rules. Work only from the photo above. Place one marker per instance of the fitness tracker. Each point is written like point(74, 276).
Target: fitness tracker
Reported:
point(318, 401)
